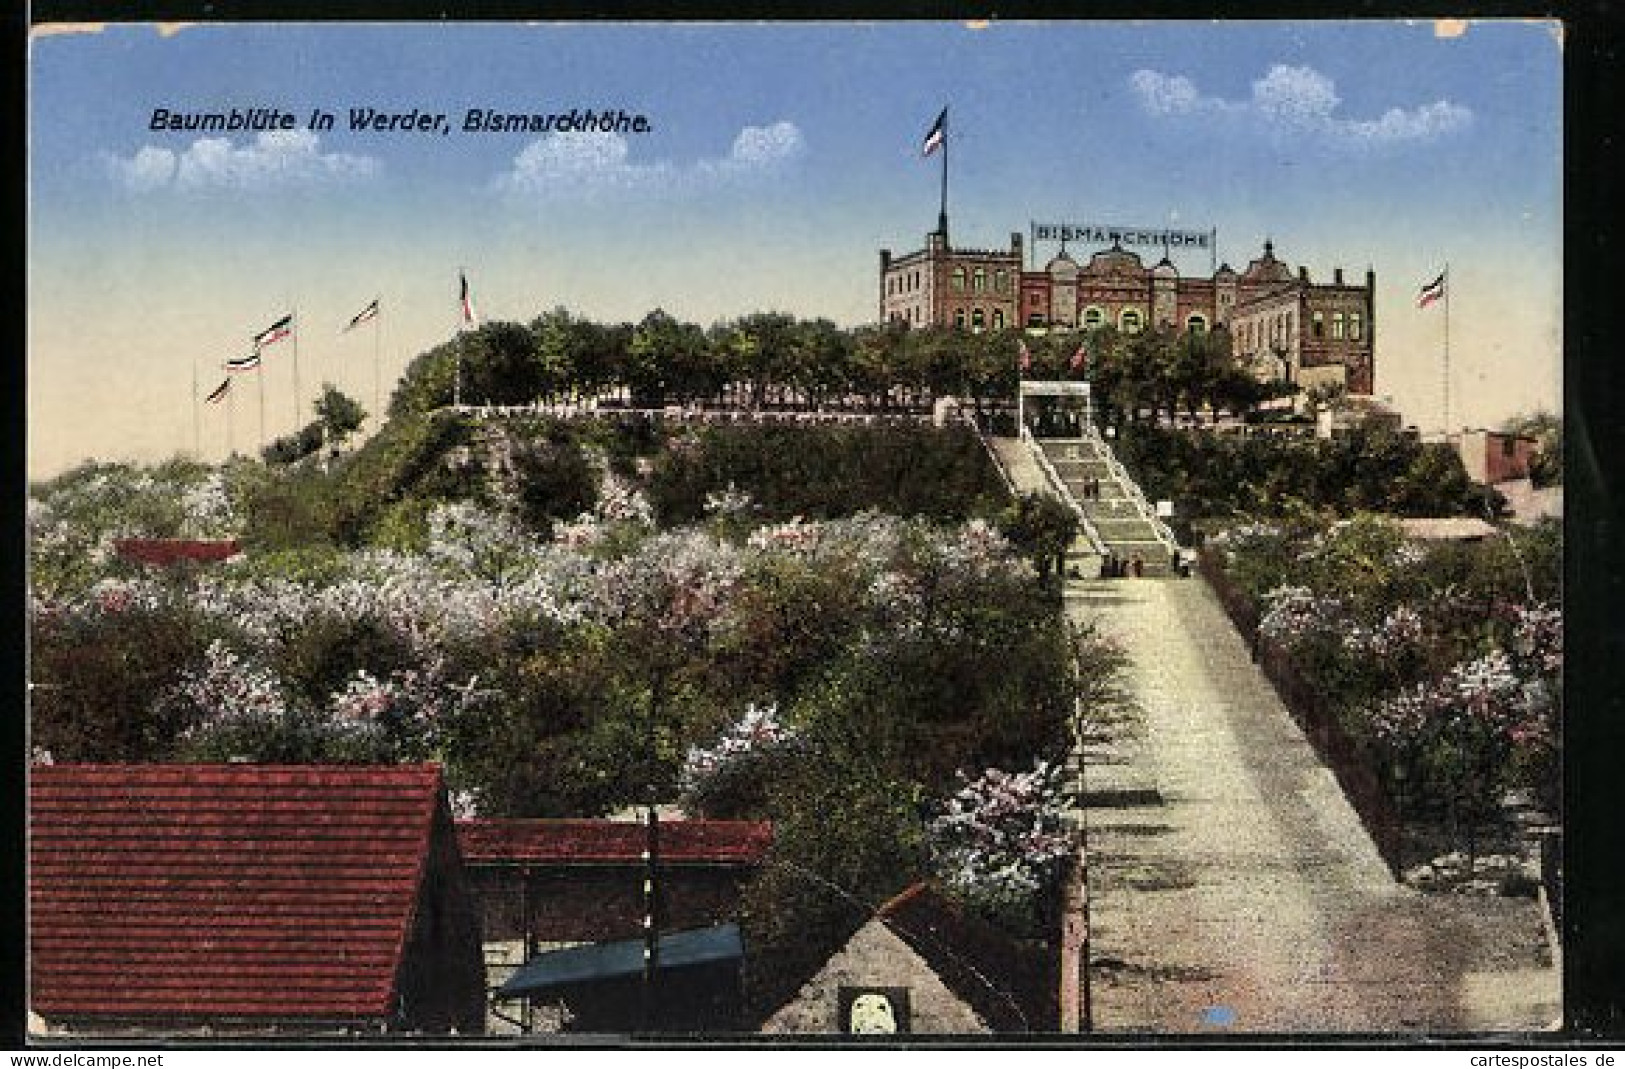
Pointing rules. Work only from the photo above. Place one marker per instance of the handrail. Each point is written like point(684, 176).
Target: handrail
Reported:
point(1063, 491)
point(1136, 496)
point(992, 454)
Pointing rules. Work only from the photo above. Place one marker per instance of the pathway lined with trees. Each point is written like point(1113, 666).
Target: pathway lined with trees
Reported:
point(1232, 887)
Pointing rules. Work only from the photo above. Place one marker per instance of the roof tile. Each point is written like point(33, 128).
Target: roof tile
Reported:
point(244, 891)
point(612, 842)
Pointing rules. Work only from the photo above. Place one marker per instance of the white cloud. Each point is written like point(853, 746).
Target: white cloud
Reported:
point(1164, 94)
point(1296, 96)
point(767, 145)
point(577, 160)
point(150, 168)
point(1302, 99)
point(585, 163)
point(274, 158)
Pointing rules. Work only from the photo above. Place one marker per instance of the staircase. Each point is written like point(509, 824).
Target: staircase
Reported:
point(1124, 521)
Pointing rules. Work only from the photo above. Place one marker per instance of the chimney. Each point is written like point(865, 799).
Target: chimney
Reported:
point(1303, 274)
point(1337, 276)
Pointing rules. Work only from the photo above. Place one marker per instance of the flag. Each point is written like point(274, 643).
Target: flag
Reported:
point(274, 333)
point(1080, 359)
point(467, 300)
point(365, 315)
point(1025, 360)
point(220, 391)
point(1431, 292)
point(244, 363)
point(936, 135)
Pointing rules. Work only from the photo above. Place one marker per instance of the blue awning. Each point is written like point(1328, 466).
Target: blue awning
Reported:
point(622, 960)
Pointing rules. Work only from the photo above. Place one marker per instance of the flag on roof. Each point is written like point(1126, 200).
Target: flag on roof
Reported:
point(467, 300)
point(1431, 292)
point(365, 315)
point(220, 391)
point(936, 135)
point(244, 363)
point(275, 332)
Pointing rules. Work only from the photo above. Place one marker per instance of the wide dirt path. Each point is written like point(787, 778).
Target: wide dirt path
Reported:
point(1232, 886)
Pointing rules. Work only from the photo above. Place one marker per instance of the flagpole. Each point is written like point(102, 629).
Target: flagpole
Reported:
point(462, 320)
point(260, 378)
point(293, 328)
point(942, 214)
point(377, 360)
point(1447, 288)
point(231, 409)
point(197, 416)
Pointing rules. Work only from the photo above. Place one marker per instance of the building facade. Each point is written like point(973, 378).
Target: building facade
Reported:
point(1282, 324)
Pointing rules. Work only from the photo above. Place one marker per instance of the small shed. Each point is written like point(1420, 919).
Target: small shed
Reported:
point(248, 899)
point(924, 965)
point(547, 885)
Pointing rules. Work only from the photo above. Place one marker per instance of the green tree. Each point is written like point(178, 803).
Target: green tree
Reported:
point(338, 414)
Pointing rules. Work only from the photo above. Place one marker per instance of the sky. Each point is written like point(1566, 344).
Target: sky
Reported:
point(777, 161)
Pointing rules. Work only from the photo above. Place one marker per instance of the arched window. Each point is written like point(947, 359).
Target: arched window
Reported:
point(1094, 317)
point(978, 281)
point(977, 320)
point(1130, 321)
point(958, 282)
point(1337, 325)
point(1196, 324)
point(1354, 326)
point(998, 319)
point(1036, 319)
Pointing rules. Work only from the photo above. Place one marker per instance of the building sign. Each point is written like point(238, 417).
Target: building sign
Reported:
point(1105, 234)
point(1053, 388)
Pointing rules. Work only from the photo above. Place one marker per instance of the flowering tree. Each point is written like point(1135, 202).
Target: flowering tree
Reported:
point(1001, 839)
point(729, 778)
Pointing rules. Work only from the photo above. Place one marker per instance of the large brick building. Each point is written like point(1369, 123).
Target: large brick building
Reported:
point(1282, 325)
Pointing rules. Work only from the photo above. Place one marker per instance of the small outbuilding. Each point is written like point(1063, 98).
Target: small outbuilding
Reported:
point(248, 899)
point(924, 965)
point(551, 886)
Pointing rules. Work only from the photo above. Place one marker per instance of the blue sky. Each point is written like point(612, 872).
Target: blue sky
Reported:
point(781, 158)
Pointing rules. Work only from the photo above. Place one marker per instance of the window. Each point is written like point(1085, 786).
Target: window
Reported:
point(1001, 281)
point(958, 282)
point(977, 321)
point(1035, 319)
point(914, 281)
point(998, 319)
point(1317, 324)
point(1130, 321)
point(1354, 326)
point(959, 318)
point(1337, 325)
point(1033, 299)
point(1509, 447)
point(978, 281)
point(1094, 317)
point(1196, 324)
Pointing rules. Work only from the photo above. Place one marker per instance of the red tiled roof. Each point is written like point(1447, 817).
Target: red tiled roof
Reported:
point(170, 550)
point(611, 842)
point(224, 891)
point(1013, 987)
